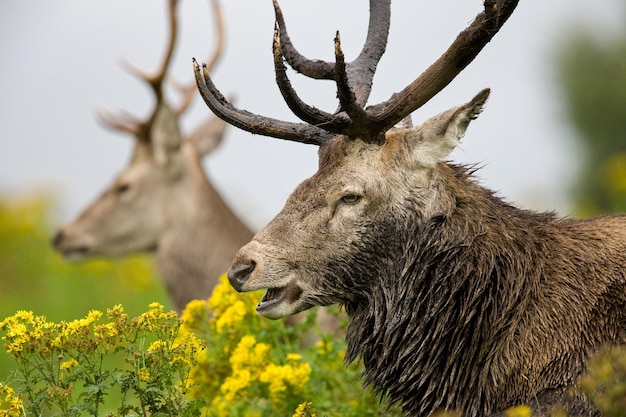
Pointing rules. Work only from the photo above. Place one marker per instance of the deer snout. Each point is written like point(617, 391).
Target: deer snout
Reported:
point(57, 240)
point(239, 273)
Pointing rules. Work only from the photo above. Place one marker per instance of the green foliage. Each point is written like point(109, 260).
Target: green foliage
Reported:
point(591, 71)
point(219, 359)
point(59, 365)
point(34, 277)
point(605, 381)
point(68, 368)
point(257, 367)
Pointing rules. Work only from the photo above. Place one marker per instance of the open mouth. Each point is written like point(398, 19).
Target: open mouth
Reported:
point(272, 297)
point(77, 253)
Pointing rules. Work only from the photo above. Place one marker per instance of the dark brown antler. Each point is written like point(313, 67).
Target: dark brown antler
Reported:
point(354, 80)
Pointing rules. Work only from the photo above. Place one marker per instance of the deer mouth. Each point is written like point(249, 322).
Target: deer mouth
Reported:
point(77, 253)
point(271, 302)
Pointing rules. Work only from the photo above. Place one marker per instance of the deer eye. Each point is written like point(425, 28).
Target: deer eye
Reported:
point(121, 188)
point(351, 199)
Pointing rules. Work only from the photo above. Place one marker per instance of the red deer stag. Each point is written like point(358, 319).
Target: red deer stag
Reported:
point(163, 202)
point(456, 299)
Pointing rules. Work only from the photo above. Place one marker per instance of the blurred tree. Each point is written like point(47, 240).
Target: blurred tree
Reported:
point(591, 72)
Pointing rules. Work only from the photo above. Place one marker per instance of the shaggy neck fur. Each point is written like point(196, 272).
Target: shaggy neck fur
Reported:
point(476, 311)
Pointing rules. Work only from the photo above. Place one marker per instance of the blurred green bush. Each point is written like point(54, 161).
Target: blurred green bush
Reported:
point(34, 277)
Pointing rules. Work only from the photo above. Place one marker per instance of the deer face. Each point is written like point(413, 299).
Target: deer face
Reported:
point(347, 223)
point(149, 198)
point(128, 217)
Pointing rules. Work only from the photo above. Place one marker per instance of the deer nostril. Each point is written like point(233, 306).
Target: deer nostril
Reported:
point(56, 240)
point(239, 273)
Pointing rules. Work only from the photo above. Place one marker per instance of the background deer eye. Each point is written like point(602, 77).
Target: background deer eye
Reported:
point(350, 198)
point(121, 188)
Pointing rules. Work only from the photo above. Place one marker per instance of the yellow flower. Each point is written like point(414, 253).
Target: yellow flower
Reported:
point(323, 348)
point(303, 411)
point(116, 312)
point(156, 306)
point(157, 346)
point(518, 411)
point(248, 353)
point(149, 320)
point(143, 374)
point(235, 383)
point(107, 330)
point(279, 377)
point(275, 376)
point(14, 402)
point(294, 357)
point(220, 406)
point(27, 316)
point(231, 316)
point(195, 313)
point(67, 365)
point(222, 297)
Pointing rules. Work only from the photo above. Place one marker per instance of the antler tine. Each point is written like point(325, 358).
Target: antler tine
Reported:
point(348, 99)
point(463, 50)
point(189, 91)
point(317, 69)
point(298, 132)
point(329, 122)
point(362, 69)
point(131, 124)
point(123, 123)
point(156, 80)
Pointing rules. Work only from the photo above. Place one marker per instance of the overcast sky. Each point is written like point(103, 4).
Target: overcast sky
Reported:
point(60, 63)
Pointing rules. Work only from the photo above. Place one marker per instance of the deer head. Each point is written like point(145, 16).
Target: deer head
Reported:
point(162, 201)
point(456, 299)
point(362, 157)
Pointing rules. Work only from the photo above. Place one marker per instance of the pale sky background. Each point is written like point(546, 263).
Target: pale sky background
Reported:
point(60, 63)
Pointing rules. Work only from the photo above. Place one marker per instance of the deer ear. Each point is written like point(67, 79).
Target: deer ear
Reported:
point(433, 140)
point(165, 136)
point(208, 136)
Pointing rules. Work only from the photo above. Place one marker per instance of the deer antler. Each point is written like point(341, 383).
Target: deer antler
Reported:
point(354, 80)
point(189, 91)
point(140, 128)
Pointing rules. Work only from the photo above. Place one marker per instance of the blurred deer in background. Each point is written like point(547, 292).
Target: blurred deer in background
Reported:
point(162, 202)
point(456, 299)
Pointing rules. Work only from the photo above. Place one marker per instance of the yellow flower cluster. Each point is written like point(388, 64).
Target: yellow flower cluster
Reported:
point(294, 374)
point(251, 364)
point(246, 363)
point(67, 365)
point(24, 331)
point(228, 308)
point(73, 352)
point(238, 372)
point(10, 404)
point(154, 319)
point(303, 411)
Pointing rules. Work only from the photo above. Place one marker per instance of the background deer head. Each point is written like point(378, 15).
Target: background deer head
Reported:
point(162, 202)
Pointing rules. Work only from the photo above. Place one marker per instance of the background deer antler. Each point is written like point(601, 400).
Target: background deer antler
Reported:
point(130, 124)
point(354, 80)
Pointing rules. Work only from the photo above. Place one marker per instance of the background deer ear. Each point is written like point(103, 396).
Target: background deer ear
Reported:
point(433, 140)
point(208, 136)
point(165, 136)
